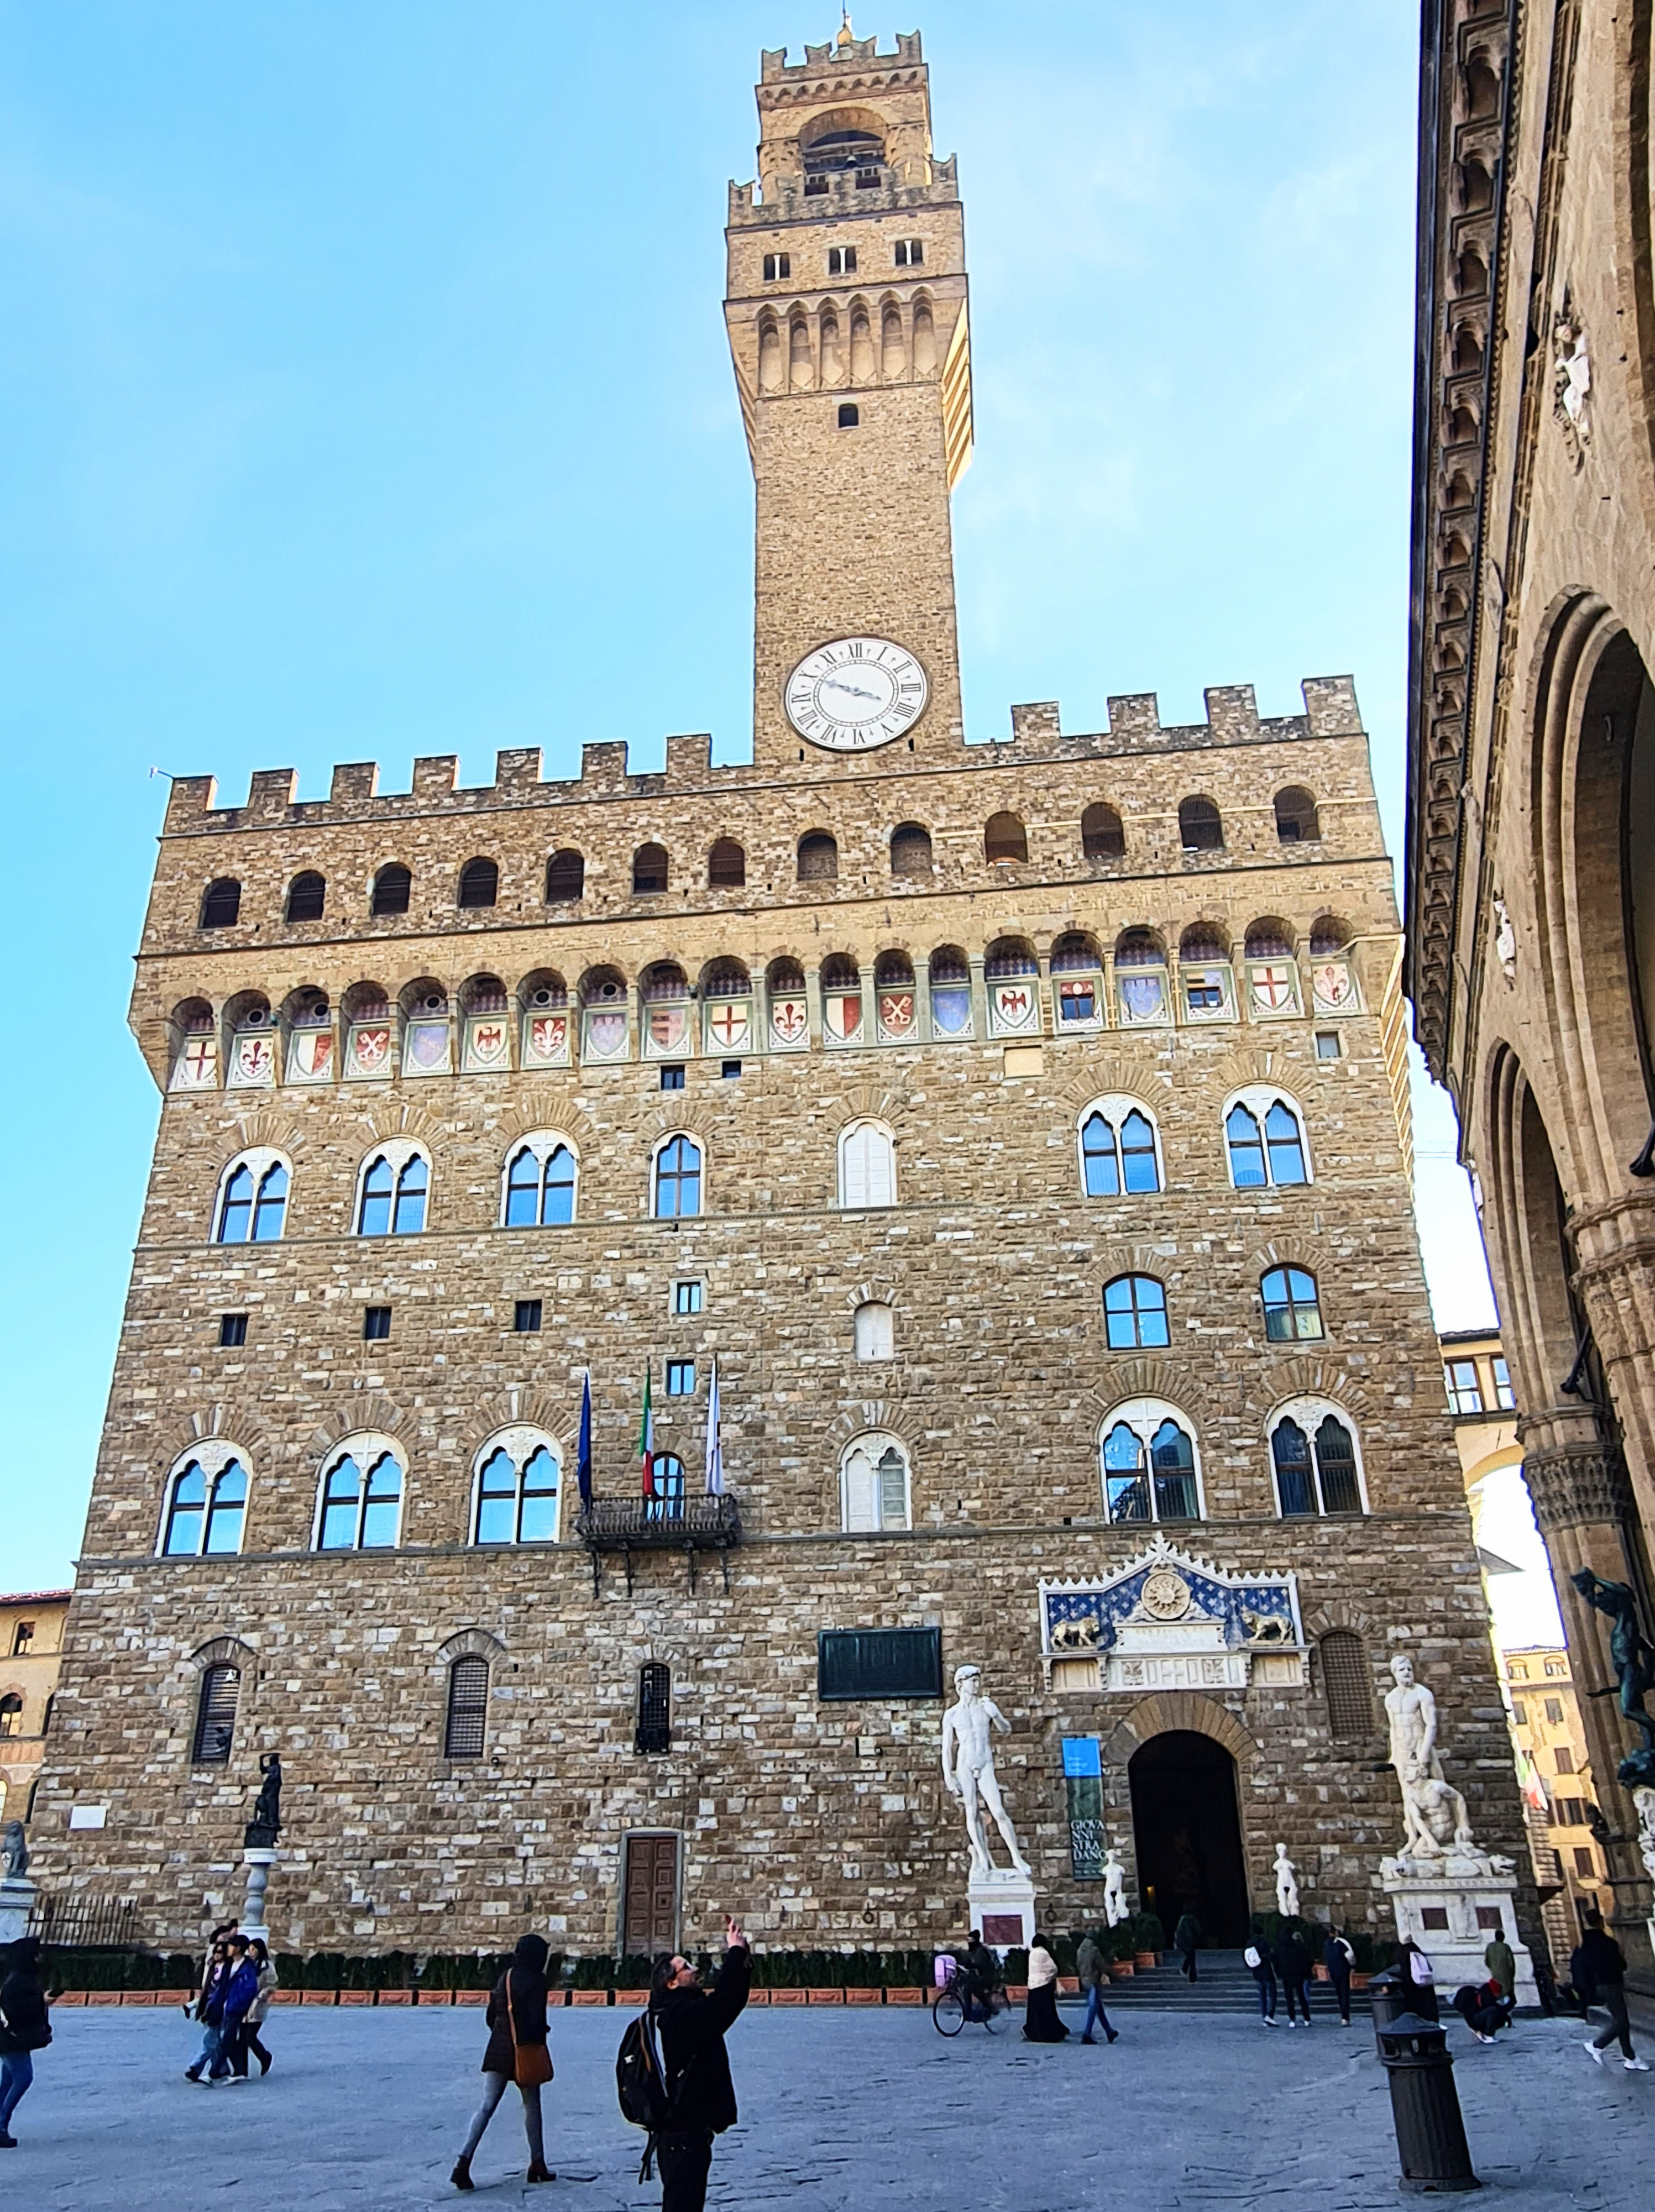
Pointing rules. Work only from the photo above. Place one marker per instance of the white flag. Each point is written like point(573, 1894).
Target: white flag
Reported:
point(714, 1438)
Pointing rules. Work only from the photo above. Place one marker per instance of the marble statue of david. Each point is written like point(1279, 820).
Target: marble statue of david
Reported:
point(968, 1767)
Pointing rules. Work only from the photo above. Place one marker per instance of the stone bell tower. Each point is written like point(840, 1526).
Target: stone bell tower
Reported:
point(847, 314)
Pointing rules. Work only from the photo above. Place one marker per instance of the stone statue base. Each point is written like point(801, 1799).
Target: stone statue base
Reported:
point(1436, 1901)
point(1001, 1904)
point(17, 1896)
point(258, 1862)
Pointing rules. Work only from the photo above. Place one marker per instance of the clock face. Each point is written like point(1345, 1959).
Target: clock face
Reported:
point(855, 694)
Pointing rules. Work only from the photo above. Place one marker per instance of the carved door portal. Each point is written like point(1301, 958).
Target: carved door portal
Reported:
point(650, 1914)
point(1188, 1831)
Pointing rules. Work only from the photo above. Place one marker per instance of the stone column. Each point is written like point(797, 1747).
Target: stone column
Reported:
point(259, 1862)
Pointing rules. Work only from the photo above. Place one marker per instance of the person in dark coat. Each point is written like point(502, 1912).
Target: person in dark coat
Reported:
point(241, 1994)
point(1292, 1967)
point(692, 2023)
point(1259, 1964)
point(25, 2028)
point(1598, 1970)
point(516, 2019)
point(1187, 1939)
point(1419, 1980)
point(210, 2014)
point(1040, 2021)
point(1338, 1957)
point(1484, 2008)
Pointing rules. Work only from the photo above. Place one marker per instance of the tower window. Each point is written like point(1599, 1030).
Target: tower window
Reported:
point(777, 265)
point(849, 414)
point(842, 261)
point(391, 889)
point(376, 1324)
point(910, 253)
point(232, 1331)
point(221, 903)
point(307, 896)
point(527, 1319)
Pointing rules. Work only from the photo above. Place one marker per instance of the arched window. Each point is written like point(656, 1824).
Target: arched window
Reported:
point(868, 1165)
point(1347, 1683)
point(221, 903)
point(1149, 1467)
point(849, 418)
point(1266, 1143)
point(818, 858)
point(678, 1180)
point(654, 1730)
point(358, 1511)
point(465, 1731)
point(1140, 977)
point(206, 1503)
point(649, 870)
point(910, 850)
point(1103, 837)
point(565, 878)
point(11, 1714)
point(1313, 1453)
point(517, 1484)
point(1118, 1150)
point(726, 865)
point(539, 1184)
point(1296, 819)
point(875, 1331)
point(1005, 838)
point(479, 884)
point(1293, 1311)
point(395, 1185)
point(1134, 1312)
point(874, 1484)
point(214, 1716)
point(392, 888)
point(252, 1209)
point(666, 1488)
point(307, 896)
point(1201, 827)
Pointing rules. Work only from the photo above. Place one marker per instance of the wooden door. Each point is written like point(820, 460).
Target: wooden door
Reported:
point(651, 1919)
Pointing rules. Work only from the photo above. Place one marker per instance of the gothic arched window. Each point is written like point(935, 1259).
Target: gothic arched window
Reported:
point(395, 1186)
point(254, 1208)
point(1265, 1140)
point(1149, 1466)
point(1118, 1151)
point(678, 1179)
point(1313, 1453)
point(540, 1178)
point(868, 1165)
point(517, 1484)
point(361, 1511)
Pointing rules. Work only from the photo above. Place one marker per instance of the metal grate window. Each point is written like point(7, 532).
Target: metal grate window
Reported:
point(878, 1663)
point(654, 1727)
point(214, 1720)
point(1346, 1684)
point(468, 1708)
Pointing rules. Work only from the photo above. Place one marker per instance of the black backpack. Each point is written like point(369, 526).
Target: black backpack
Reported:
point(641, 2084)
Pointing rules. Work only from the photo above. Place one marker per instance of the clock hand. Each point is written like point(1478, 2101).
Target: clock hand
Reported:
point(851, 690)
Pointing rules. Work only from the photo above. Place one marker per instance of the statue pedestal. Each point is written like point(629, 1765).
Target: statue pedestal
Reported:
point(17, 1896)
point(259, 1862)
point(1001, 1904)
point(1436, 1902)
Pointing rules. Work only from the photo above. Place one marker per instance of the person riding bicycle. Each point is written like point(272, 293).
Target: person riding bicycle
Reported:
point(979, 1973)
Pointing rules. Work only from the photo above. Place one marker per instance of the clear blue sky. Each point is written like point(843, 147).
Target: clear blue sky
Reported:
point(366, 395)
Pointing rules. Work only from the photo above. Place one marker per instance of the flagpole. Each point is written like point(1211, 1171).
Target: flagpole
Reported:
point(714, 1437)
point(583, 1450)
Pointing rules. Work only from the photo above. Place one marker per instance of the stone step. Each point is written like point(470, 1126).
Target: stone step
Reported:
point(1225, 1985)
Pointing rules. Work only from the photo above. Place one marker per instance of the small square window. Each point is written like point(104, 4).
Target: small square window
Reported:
point(1328, 1046)
point(849, 414)
point(1584, 1863)
point(232, 1330)
point(680, 1378)
point(730, 1069)
point(910, 253)
point(671, 1079)
point(527, 1321)
point(842, 261)
point(376, 1324)
point(776, 265)
point(686, 1298)
point(1554, 1711)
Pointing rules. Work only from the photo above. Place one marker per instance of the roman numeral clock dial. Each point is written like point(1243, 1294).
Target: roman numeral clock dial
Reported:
point(855, 694)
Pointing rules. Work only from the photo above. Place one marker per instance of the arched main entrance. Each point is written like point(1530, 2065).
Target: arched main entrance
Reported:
point(1187, 1827)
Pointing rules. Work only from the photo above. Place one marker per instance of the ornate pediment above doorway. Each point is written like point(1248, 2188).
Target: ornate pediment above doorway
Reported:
point(1166, 1620)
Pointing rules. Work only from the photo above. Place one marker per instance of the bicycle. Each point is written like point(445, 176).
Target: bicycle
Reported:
point(960, 1999)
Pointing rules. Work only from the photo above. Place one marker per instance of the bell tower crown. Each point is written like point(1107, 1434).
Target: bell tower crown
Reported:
point(846, 306)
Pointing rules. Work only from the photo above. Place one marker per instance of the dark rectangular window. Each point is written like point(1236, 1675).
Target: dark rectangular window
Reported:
point(730, 1070)
point(527, 1321)
point(671, 1079)
point(232, 1330)
point(680, 1378)
point(776, 265)
point(1327, 1044)
point(376, 1324)
point(1584, 1863)
point(686, 1298)
point(878, 1663)
point(214, 1719)
point(468, 1709)
point(654, 1727)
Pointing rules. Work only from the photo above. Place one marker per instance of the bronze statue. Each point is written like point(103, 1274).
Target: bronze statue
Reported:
point(14, 1852)
point(265, 1825)
point(1634, 1657)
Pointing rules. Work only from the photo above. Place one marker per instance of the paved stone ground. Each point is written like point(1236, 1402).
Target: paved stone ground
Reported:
point(366, 2109)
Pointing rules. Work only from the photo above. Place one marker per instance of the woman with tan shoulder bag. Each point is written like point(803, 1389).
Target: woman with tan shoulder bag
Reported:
point(517, 2053)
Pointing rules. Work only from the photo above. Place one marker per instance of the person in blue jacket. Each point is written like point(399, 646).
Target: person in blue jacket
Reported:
point(241, 1994)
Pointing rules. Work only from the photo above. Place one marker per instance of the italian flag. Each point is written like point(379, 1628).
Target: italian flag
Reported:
point(647, 1439)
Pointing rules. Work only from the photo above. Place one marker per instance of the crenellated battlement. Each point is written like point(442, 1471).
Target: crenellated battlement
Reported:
point(1134, 727)
point(840, 57)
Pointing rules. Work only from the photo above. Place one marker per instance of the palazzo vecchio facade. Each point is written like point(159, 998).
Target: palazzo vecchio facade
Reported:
point(1022, 1127)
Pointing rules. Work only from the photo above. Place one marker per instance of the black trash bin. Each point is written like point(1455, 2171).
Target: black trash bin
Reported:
point(1425, 2106)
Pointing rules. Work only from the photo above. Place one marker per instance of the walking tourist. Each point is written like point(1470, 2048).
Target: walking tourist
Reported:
point(1090, 1964)
point(1257, 1960)
point(211, 2064)
point(517, 2051)
point(1599, 1973)
point(1501, 1961)
point(1418, 1979)
point(25, 2028)
point(1293, 1967)
point(693, 2023)
point(1040, 2021)
point(1339, 1957)
point(240, 1994)
point(1187, 1938)
point(248, 2043)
